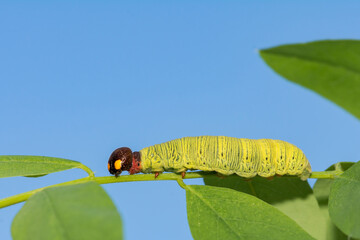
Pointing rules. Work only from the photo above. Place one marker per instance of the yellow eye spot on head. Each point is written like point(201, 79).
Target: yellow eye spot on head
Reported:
point(108, 166)
point(117, 164)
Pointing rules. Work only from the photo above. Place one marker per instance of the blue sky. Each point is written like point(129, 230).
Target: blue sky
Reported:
point(78, 80)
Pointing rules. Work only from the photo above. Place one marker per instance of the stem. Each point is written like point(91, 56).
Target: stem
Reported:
point(24, 196)
point(181, 183)
point(102, 180)
point(141, 177)
point(150, 177)
point(87, 169)
point(326, 174)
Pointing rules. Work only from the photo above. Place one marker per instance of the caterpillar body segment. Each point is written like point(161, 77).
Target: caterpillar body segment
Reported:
point(226, 155)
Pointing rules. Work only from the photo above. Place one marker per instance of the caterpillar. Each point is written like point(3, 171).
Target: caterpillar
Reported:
point(225, 155)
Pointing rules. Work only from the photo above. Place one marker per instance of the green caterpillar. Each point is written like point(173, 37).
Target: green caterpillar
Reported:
point(226, 155)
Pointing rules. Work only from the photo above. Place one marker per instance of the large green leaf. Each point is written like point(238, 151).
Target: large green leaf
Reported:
point(321, 191)
point(330, 68)
point(290, 195)
point(344, 201)
point(81, 211)
point(222, 213)
point(33, 166)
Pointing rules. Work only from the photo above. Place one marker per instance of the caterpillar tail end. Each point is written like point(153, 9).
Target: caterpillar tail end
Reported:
point(306, 173)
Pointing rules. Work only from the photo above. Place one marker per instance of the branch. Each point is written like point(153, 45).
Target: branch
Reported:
point(326, 174)
point(144, 177)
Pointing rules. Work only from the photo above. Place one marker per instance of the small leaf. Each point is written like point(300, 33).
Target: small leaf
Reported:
point(222, 213)
point(81, 211)
point(33, 166)
point(321, 191)
point(344, 203)
point(292, 196)
point(330, 68)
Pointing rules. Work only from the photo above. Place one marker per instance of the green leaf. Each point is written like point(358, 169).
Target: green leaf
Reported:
point(291, 196)
point(321, 191)
point(330, 68)
point(80, 211)
point(344, 201)
point(222, 213)
point(33, 166)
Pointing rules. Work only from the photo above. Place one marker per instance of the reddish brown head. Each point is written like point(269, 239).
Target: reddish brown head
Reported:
point(123, 159)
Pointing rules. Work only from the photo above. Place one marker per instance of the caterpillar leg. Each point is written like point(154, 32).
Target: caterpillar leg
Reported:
point(157, 174)
point(219, 175)
point(183, 175)
point(270, 178)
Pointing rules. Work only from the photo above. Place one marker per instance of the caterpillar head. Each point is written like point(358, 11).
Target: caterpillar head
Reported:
point(123, 159)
